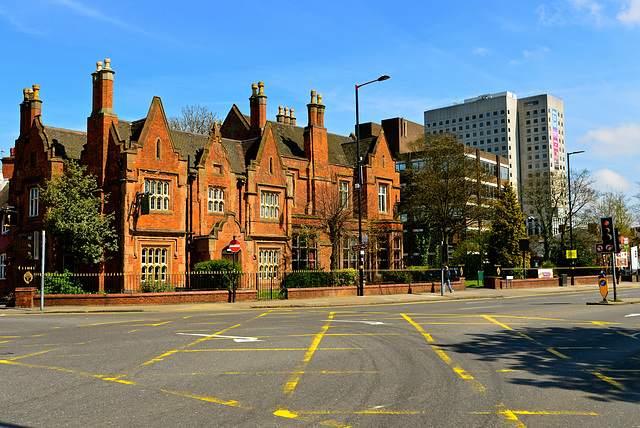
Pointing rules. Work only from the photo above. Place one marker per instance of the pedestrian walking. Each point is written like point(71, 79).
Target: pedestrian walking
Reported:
point(447, 280)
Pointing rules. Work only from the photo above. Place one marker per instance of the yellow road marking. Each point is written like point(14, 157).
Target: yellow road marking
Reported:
point(508, 417)
point(487, 317)
point(559, 354)
point(293, 381)
point(609, 380)
point(35, 353)
point(418, 327)
point(475, 385)
point(186, 351)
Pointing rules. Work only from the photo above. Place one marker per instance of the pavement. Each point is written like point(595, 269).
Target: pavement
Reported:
point(469, 293)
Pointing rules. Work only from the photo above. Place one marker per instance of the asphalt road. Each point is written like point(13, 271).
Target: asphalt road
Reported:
point(531, 361)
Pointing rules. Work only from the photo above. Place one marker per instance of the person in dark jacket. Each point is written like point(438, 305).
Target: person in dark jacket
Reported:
point(447, 280)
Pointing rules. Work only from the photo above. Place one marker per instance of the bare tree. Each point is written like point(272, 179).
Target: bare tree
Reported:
point(544, 197)
point(195, 118)
point(333, 208)
point(615, 204)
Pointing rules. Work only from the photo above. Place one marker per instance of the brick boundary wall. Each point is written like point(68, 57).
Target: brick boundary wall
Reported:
point(25, 298)
point(498, 283)
point(371, 290)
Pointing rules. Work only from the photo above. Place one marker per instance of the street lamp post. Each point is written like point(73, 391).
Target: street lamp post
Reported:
point(359, 187)
point(570, 209)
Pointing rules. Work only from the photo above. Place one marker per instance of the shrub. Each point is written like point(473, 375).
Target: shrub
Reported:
point(344, 277)
point(152, 286)
point(306, 279)
point(397, 276)
point(62, 283)
point(215, 275)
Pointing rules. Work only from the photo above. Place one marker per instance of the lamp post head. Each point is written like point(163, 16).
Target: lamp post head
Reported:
point(383, 77)
point(575, 153)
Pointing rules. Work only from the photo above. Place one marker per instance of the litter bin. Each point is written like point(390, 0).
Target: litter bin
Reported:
point(481, 277)
point(563, 280)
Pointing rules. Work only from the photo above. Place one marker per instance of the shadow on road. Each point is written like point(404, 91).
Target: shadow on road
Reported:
point(602, 362)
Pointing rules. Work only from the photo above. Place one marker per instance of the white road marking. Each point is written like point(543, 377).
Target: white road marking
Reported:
point(235, 338)
point(364, 322)
point(632, 315)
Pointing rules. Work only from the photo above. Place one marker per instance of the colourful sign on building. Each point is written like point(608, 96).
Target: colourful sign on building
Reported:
point(556, 147)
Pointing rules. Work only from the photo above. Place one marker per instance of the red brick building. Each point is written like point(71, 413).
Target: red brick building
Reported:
point(262, 182)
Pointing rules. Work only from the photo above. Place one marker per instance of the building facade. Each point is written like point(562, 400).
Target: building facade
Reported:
point(180, 197)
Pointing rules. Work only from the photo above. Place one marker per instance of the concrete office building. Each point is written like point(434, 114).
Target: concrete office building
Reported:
point(529, 131)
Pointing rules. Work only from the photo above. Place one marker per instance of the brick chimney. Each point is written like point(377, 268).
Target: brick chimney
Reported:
point(280, 116)
point(292, 119)
point(258, 103)
point(316, 146)
point(98, 124)
point(30, 107)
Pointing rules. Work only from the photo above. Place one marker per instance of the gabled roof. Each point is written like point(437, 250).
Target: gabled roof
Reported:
point(66, 143)
point(350, 149)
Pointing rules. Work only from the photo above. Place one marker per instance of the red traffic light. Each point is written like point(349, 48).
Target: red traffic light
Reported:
point(606, 223)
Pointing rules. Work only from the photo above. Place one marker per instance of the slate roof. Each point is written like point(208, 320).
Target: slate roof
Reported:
point(290, 141)
point(350, 149)
point(66, 143)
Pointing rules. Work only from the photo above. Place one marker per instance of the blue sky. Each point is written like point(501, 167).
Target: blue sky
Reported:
point(437, 53)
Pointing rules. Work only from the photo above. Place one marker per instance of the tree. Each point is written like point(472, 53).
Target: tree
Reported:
point(334, 211)
point(544, 196)
point(443, 187)
point(195, 118)
point(615, 204)
point(507, 228)
point(74, 215)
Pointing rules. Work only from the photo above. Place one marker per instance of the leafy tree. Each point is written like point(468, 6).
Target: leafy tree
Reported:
point(195, 118)
point(74, 215)
point(507, 228)
point(443, 186)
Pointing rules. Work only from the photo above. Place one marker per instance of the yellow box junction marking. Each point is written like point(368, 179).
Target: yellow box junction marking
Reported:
point(475, 385)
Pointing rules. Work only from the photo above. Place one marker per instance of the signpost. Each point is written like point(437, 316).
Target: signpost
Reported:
point(234, 247)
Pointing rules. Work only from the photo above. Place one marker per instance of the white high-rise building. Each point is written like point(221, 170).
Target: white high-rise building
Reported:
point(529, 132)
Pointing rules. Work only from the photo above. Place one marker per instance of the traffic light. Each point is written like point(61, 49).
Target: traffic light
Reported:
point(606, 228)
point(617, 246)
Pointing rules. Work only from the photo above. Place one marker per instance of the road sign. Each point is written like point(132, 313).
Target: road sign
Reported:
point(234, 246)
point(572, 254)
point(599, 248)
point(604, 288)
point(359, 247)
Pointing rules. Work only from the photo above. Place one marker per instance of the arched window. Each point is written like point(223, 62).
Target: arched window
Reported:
point(158, 148)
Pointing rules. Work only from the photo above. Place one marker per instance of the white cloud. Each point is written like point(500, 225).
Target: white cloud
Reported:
point(480, 51)
point(610, 142)
point(607, 180)
point(631, 15)
point(534, 55)
point(573, 12)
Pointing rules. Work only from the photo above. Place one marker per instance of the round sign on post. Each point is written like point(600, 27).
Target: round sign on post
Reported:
point(234, 246)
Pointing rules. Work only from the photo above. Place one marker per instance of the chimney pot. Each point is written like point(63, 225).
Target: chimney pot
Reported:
point(25, 93)
point(261, 88)
point(36, 92)
point(107, 64)
point(254, 89)
point(319, 98)
point(99, 65)
point(313, 97)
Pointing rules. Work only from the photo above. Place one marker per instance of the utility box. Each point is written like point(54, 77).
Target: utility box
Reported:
point(563, 280)
point(481, 277)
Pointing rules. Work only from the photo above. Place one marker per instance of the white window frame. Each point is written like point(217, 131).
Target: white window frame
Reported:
point(215, 200)
point(269, 205)
point(159, 196)
point(344, 194)
point(154, 264)
point(383, 205)
point(268, 263)
point(3, 266)
point(34, 201)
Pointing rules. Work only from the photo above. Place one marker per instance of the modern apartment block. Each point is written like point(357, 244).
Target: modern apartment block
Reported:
point(529, 132)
